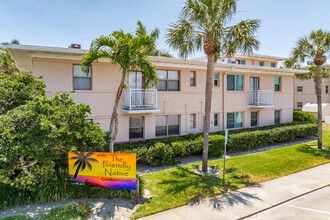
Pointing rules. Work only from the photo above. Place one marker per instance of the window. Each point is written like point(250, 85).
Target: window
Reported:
point(168, 80)
point(241, 62)
point(299, 105)
point(167, 125)
point(277, 117)
point(216, 79)
point(89, 120)
point(235, 120)
point(326, 89)
point(235, 82)
point(216, 120)
point(277, 84)
point(254, 119)
point(272, 65)
point(261, 63)
point(136, 127)
point(193, 121)
point(299, 88)
point(192, 78)
point(81, 80)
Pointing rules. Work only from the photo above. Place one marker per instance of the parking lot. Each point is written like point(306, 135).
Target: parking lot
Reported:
point(315, 205)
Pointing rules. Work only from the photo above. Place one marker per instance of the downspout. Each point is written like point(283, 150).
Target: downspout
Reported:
point(223, 96)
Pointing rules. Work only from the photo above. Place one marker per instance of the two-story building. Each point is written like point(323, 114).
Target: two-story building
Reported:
point(304, 90)
point(249, 91)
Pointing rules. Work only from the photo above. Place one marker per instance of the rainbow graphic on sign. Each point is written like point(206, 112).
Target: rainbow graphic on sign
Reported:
point(113, 170)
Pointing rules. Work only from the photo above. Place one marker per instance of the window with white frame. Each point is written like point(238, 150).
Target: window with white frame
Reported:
point(81, 80)
point(192, 78)
point(277, 117)
point(167, 125)
point(241, 62)
point(235, 82)
point(254, 119)
point(235, 120)
point(192, 121)
point(136, 125)
point(216, 79)
point(169, 80)
point(277, 84)
point(216, 119)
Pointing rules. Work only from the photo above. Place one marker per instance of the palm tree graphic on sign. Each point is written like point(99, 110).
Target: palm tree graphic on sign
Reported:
point(83, 161)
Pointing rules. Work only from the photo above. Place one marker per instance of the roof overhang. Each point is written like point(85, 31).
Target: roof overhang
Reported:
point(24, 54)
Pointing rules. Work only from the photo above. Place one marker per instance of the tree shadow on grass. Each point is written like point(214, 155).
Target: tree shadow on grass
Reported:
point(200, 186)
point(314, 151)
point(184, 179)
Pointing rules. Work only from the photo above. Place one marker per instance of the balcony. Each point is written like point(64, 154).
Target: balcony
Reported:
point(261, 99)
point(140, 101)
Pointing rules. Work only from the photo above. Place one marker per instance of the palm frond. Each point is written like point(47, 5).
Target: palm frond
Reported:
point(241, 38)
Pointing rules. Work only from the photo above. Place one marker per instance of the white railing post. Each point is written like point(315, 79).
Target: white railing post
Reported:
point(130, 99)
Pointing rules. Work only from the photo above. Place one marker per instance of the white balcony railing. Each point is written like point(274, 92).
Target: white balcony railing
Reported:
point(141, 99)
point(261, 98)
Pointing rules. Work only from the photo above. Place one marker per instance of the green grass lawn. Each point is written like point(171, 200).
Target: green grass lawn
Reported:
point(177, 186)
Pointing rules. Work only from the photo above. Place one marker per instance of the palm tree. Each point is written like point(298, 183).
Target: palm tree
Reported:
point(203, 24)
point(316, 46)
point(7, 63)
point(131, 53)
point(142, 30)
point(83, 161)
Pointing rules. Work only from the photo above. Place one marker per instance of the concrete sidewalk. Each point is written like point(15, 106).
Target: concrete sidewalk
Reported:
point(254, 199)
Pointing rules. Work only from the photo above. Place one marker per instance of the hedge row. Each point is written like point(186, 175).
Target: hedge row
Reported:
point(304, 117)
point(164, 151)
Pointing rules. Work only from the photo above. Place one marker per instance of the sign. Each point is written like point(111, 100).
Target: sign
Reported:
point(113, 170)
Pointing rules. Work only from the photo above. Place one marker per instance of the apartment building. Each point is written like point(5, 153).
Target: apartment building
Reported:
point(304, 91)
point(249, 91)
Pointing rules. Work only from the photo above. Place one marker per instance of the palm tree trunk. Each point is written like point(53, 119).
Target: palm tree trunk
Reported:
point(318, 91)
point(208, 100)
point(114, 125)
point(77, 171)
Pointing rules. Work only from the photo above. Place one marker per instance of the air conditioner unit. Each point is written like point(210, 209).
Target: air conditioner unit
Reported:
point(309, 63)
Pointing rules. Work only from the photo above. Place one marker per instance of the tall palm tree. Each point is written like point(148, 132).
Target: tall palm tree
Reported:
point(83, 161)
point(131, 53)
point(203, 24)
point(316, 46)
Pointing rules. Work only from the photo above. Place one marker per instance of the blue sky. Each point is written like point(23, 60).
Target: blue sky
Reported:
point(62, 22)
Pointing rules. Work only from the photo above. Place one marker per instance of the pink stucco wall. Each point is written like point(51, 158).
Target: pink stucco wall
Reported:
point(189, 100)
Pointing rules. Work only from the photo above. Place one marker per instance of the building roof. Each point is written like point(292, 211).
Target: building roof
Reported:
point(23, 55)
point(250, 56)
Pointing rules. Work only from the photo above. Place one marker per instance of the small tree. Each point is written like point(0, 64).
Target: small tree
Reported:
point(7, 63)
point(316, 46)
point(37, 136)
point(16, 90)
point(203, 25)
point(130, 52)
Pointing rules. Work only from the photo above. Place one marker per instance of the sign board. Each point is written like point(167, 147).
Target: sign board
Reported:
point(113, 170)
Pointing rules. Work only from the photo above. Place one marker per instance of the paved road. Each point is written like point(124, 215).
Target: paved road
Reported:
point(315, 205)
point(247, 201)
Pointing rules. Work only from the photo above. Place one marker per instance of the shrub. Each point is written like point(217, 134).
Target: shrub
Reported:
point(304, 117)
point(164, 151)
